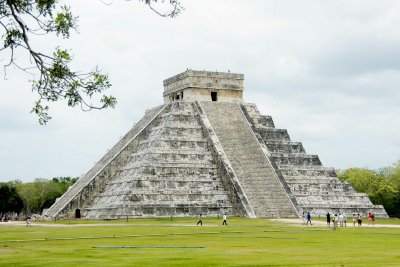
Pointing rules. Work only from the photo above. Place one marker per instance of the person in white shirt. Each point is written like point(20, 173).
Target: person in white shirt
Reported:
point(341, 220)
point(335, 222)
point(224, 218)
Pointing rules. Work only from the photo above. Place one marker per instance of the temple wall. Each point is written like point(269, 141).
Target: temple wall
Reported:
point(204, 94)
point(204, 86)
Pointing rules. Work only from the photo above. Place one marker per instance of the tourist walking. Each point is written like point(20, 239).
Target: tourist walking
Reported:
point(28, 222)
point(308, 218)
point(344, 220)
point(335, 221)
point(369, 218)
point(354, 219)
point(200, 220)
point(359, 220)
point(341, 220)
point(224, 218)
point(328, 219)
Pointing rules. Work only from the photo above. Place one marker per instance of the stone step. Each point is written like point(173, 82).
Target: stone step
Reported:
point(174, 156)
point(280, 146)
point(127, 178)
point(273, 134)
point(317, 171)
point(256, 118)
point(177, 140)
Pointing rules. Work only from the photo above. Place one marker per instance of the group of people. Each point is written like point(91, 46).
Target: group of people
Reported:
point(200, 221)
point(357, 218)
point(337, 219)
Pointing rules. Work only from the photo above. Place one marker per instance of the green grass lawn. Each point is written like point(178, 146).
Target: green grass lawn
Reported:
point(162, 242)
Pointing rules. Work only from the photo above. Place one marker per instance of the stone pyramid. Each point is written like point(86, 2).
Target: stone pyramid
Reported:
point(207, 151)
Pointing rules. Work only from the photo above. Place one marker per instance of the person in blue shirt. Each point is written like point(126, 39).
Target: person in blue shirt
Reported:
point(308, 218)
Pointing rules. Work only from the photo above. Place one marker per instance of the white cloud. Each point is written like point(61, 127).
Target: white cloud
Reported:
point(328, 71)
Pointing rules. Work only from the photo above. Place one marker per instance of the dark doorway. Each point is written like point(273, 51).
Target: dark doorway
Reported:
point(77, 213)
point(214, 96)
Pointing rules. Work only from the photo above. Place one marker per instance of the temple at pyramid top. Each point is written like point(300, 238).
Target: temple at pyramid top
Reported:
point(194, 85)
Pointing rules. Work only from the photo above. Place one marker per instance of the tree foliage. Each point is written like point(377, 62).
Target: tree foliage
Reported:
point(42, 193)
point(382, 186)
point(55, 80)
point(10, 200)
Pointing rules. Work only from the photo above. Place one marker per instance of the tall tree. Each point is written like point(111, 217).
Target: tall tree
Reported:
point(42, 193)
point(380, 186)
point(10, 201)
point(394, 179)
point(28, 195)
point(22, 19)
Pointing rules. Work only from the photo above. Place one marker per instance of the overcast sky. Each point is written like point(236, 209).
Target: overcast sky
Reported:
point(327, 71)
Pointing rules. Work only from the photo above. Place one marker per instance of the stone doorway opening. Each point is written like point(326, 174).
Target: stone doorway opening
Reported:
point(77, 214)
point(214, 96)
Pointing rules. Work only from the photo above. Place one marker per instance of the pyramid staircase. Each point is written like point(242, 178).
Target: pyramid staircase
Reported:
point(257, 177)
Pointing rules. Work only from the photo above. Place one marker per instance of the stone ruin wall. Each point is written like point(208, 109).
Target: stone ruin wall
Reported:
point(203, 79)
point(197, 86)
point(201, 94)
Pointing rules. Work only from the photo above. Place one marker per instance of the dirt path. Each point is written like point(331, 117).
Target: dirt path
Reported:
point(299, 222)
